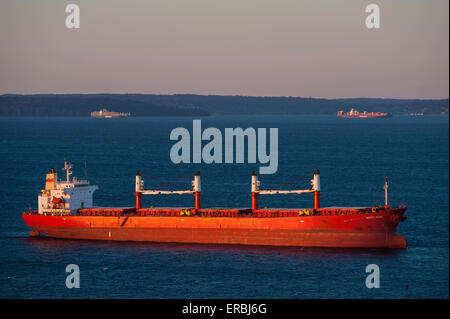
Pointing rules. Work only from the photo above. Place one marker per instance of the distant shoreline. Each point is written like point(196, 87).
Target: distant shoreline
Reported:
point(156, 105)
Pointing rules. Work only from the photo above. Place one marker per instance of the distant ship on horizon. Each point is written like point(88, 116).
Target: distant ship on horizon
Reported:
point(104, 113)
point(356, 114)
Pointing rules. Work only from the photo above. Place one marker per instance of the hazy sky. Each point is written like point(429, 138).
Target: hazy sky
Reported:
point(318, 48)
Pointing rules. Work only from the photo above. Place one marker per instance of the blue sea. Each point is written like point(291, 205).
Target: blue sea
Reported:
point(353, 155)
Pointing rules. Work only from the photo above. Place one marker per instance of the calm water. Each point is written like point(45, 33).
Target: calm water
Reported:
point(352, 155)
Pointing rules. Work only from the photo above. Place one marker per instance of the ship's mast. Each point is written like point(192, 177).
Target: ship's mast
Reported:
point(385, 187)
point(139, 191)
point(315, 183)
point(67, 167)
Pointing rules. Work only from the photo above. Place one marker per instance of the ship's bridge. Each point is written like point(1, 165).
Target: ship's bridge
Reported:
point(65, 196)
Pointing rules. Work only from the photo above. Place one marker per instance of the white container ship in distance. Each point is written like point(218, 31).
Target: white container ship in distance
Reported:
point(104, 113)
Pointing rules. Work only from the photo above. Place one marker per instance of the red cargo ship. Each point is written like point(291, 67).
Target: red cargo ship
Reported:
point(356, 114)
point(65, 211)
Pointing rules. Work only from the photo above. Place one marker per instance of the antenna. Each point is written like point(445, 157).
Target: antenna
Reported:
point(385, 191)
point(67, 168)
point(85, 170)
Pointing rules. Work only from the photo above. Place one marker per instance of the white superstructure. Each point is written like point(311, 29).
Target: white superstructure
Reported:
point(65, 196)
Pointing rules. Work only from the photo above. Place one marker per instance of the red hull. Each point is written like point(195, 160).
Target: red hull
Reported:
point(326, 228)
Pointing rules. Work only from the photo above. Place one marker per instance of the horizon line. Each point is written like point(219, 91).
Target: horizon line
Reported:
point(230, 95)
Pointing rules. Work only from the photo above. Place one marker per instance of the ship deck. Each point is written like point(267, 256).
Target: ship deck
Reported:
point(219, 211)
